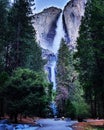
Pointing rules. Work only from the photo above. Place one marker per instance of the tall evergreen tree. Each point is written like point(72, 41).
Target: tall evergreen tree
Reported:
point(65, 77)
point(23, 50)
point(64, 66)
point(90, 56)
point(4, 6)
point(24, 92)
point(3, 30)
point(18, 47)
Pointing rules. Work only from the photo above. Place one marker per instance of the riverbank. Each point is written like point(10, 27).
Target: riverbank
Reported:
point(89, 124)
point(29, 120)
point(86, 125)
point(26, 120)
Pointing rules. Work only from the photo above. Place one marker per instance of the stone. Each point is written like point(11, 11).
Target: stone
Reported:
point(45, 25)
point(72, 15)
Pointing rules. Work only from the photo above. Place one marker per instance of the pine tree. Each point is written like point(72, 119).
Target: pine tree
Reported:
point(18, 46)
point(23, 51)
point(98, 40)
point(24, 92)
point(64, 64)
point(90, 55)
point(65, 76)
point(3, 30)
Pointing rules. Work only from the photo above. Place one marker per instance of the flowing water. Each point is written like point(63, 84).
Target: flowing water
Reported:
point(59, 35)
point(55, 47)
point(52, 64)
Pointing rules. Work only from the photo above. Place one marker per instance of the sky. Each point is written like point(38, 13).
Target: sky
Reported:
point(41, 4)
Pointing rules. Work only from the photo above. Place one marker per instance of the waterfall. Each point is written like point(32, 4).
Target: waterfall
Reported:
point(53, 79)
point(55, 47)
point(59, 35)
point(53, 106)
point(52, 67)
point(52, 56)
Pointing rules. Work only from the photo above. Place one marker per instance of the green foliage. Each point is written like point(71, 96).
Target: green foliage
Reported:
point(64, 66)
point(3, 78)
point(3, 30)
point(80, 105)
point(65, 80)
point(81, 108)
point(50, 92)
point(70, 109)
point(25, 93)
point(25, 89)
point(24, 50)
point(90, 56)
point(18, 46)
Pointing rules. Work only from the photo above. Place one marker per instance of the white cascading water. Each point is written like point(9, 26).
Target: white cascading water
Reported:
point(59, 35)
point(55, 47)
point(53, 78)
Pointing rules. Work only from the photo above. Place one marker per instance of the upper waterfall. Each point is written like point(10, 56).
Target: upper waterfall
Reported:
point(59, 35)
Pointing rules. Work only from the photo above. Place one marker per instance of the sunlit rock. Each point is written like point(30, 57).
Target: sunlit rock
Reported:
point(72, 15)
point(45, 26)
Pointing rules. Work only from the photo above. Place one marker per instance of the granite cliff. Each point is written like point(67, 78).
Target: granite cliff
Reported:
point(72, 14)
point(45, 26)
point(45, 23)
point(51, 25)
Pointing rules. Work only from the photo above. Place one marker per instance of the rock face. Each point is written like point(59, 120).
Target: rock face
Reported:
point(72, 14)
point(49, 26)
point(45, 26)
point(45, 23)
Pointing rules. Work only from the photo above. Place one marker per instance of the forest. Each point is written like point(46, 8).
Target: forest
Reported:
point(24, 86)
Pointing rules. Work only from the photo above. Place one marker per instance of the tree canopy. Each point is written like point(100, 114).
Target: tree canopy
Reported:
point(90, 57)
point(22, 78)
point(65, 78)
point(25, 93)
